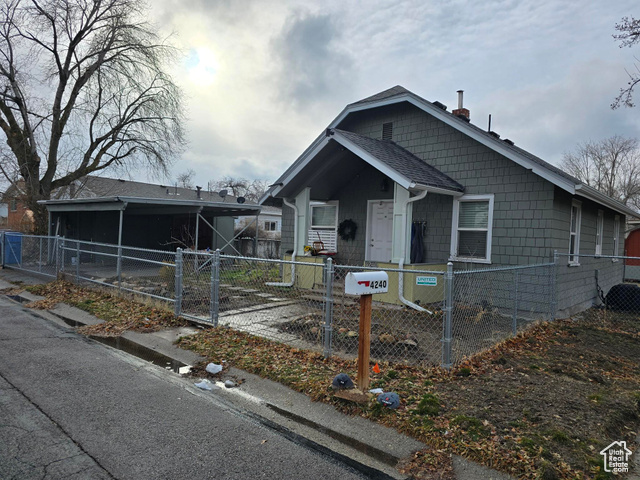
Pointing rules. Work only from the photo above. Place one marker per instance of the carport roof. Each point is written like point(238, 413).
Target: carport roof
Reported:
point(155, 206)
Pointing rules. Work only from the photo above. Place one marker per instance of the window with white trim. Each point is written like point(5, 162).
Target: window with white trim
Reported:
point(471, 228)
point(599, 230)
point(616, 235)
point(270, 226)
point(574, 232)
point(14, 204)
point(324, 224)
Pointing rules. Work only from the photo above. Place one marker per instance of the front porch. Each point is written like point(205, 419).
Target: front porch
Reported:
point(369, 202)
point(420, 284)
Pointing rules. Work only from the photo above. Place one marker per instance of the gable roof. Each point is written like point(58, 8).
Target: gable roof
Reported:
point(521, 157)
point(404, 162)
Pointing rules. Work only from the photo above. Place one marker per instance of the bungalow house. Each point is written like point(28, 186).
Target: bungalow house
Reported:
point(398, 181)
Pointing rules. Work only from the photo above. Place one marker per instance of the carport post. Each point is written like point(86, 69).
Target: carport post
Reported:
point(328, 307)
point(255, 237)
point(215, 287)
point(120, 249)
point(2, 247)
point(177, 306)
point(448, 314)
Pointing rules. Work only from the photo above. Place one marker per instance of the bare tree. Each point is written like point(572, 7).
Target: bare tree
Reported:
point(185, 179)
point(611, 166)
point(83, 88)
point(629, 35)
point(252, 190)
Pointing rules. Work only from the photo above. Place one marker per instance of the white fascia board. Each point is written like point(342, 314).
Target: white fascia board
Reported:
point(299, 164)
point(443, 191)
point(598, 197)
point(373, 161)
point(445, 117)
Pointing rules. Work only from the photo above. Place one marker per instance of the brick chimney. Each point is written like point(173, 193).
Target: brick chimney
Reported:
point(461, 111)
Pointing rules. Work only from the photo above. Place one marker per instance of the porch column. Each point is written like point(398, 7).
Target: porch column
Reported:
point(302, 204)
point(401, 239)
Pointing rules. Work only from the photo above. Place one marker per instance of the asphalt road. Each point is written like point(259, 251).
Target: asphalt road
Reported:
point(72, 408)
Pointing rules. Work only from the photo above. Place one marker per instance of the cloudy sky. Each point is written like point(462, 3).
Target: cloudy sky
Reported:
point(263, 78)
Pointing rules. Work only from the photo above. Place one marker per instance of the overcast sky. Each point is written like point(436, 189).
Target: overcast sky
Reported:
point(264, 78)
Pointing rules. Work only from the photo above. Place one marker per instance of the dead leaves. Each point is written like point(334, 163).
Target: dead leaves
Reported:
point(119, 314)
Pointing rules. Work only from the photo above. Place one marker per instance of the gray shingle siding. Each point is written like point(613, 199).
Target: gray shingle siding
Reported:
point(353, 204)
point(577, 284)
point(286, 240)
point(521, 198)
point(436, 210)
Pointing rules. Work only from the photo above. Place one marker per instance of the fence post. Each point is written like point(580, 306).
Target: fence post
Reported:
point(2, 247)
point(119, 267)
point(554, 286)
point(328, 307)
point(178, 284)
point(515, 306)
point(77, 261)
point(215, 288)
point(448, 314)
point(40, 257)
point(62, 254)
point(56, 252)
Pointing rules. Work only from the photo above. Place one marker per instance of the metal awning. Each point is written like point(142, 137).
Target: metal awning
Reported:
point(156, 206)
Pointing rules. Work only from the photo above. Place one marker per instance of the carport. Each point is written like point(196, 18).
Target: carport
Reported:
point(159, 224)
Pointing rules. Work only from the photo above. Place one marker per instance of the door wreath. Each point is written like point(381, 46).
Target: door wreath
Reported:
point(347, 229)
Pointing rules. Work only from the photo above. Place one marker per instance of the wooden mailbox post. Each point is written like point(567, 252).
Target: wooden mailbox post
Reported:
point(365, 284)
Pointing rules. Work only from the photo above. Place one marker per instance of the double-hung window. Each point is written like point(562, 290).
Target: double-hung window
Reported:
point(471, 228)
point(574, 232)
point(324, 224)
point(599, 230)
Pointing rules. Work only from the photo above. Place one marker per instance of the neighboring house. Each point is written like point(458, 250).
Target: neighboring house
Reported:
point(269, 223)
point(423, 186)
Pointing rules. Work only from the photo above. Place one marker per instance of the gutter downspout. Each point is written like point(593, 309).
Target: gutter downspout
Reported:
point(295, 248)
point(420, 196)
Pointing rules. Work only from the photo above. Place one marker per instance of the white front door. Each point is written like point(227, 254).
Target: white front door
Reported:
point(380, 230)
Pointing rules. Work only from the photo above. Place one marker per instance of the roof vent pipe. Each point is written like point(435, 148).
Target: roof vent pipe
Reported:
point(198, 189)
point(460, 93)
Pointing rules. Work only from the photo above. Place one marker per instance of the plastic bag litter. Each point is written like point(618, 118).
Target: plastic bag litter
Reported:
point(204, 385)
point(229, 384)
point(376, 390)
point(213, 368)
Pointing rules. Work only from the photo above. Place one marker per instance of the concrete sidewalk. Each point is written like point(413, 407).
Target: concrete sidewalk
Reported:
point(367, 446)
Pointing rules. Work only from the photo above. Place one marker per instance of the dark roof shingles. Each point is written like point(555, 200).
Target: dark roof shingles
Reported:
point(403, 162)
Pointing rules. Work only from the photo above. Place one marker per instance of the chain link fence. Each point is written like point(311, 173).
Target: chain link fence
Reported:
point(31, 253)
point(490, 305)
point(431, 317)
point(401, 330)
